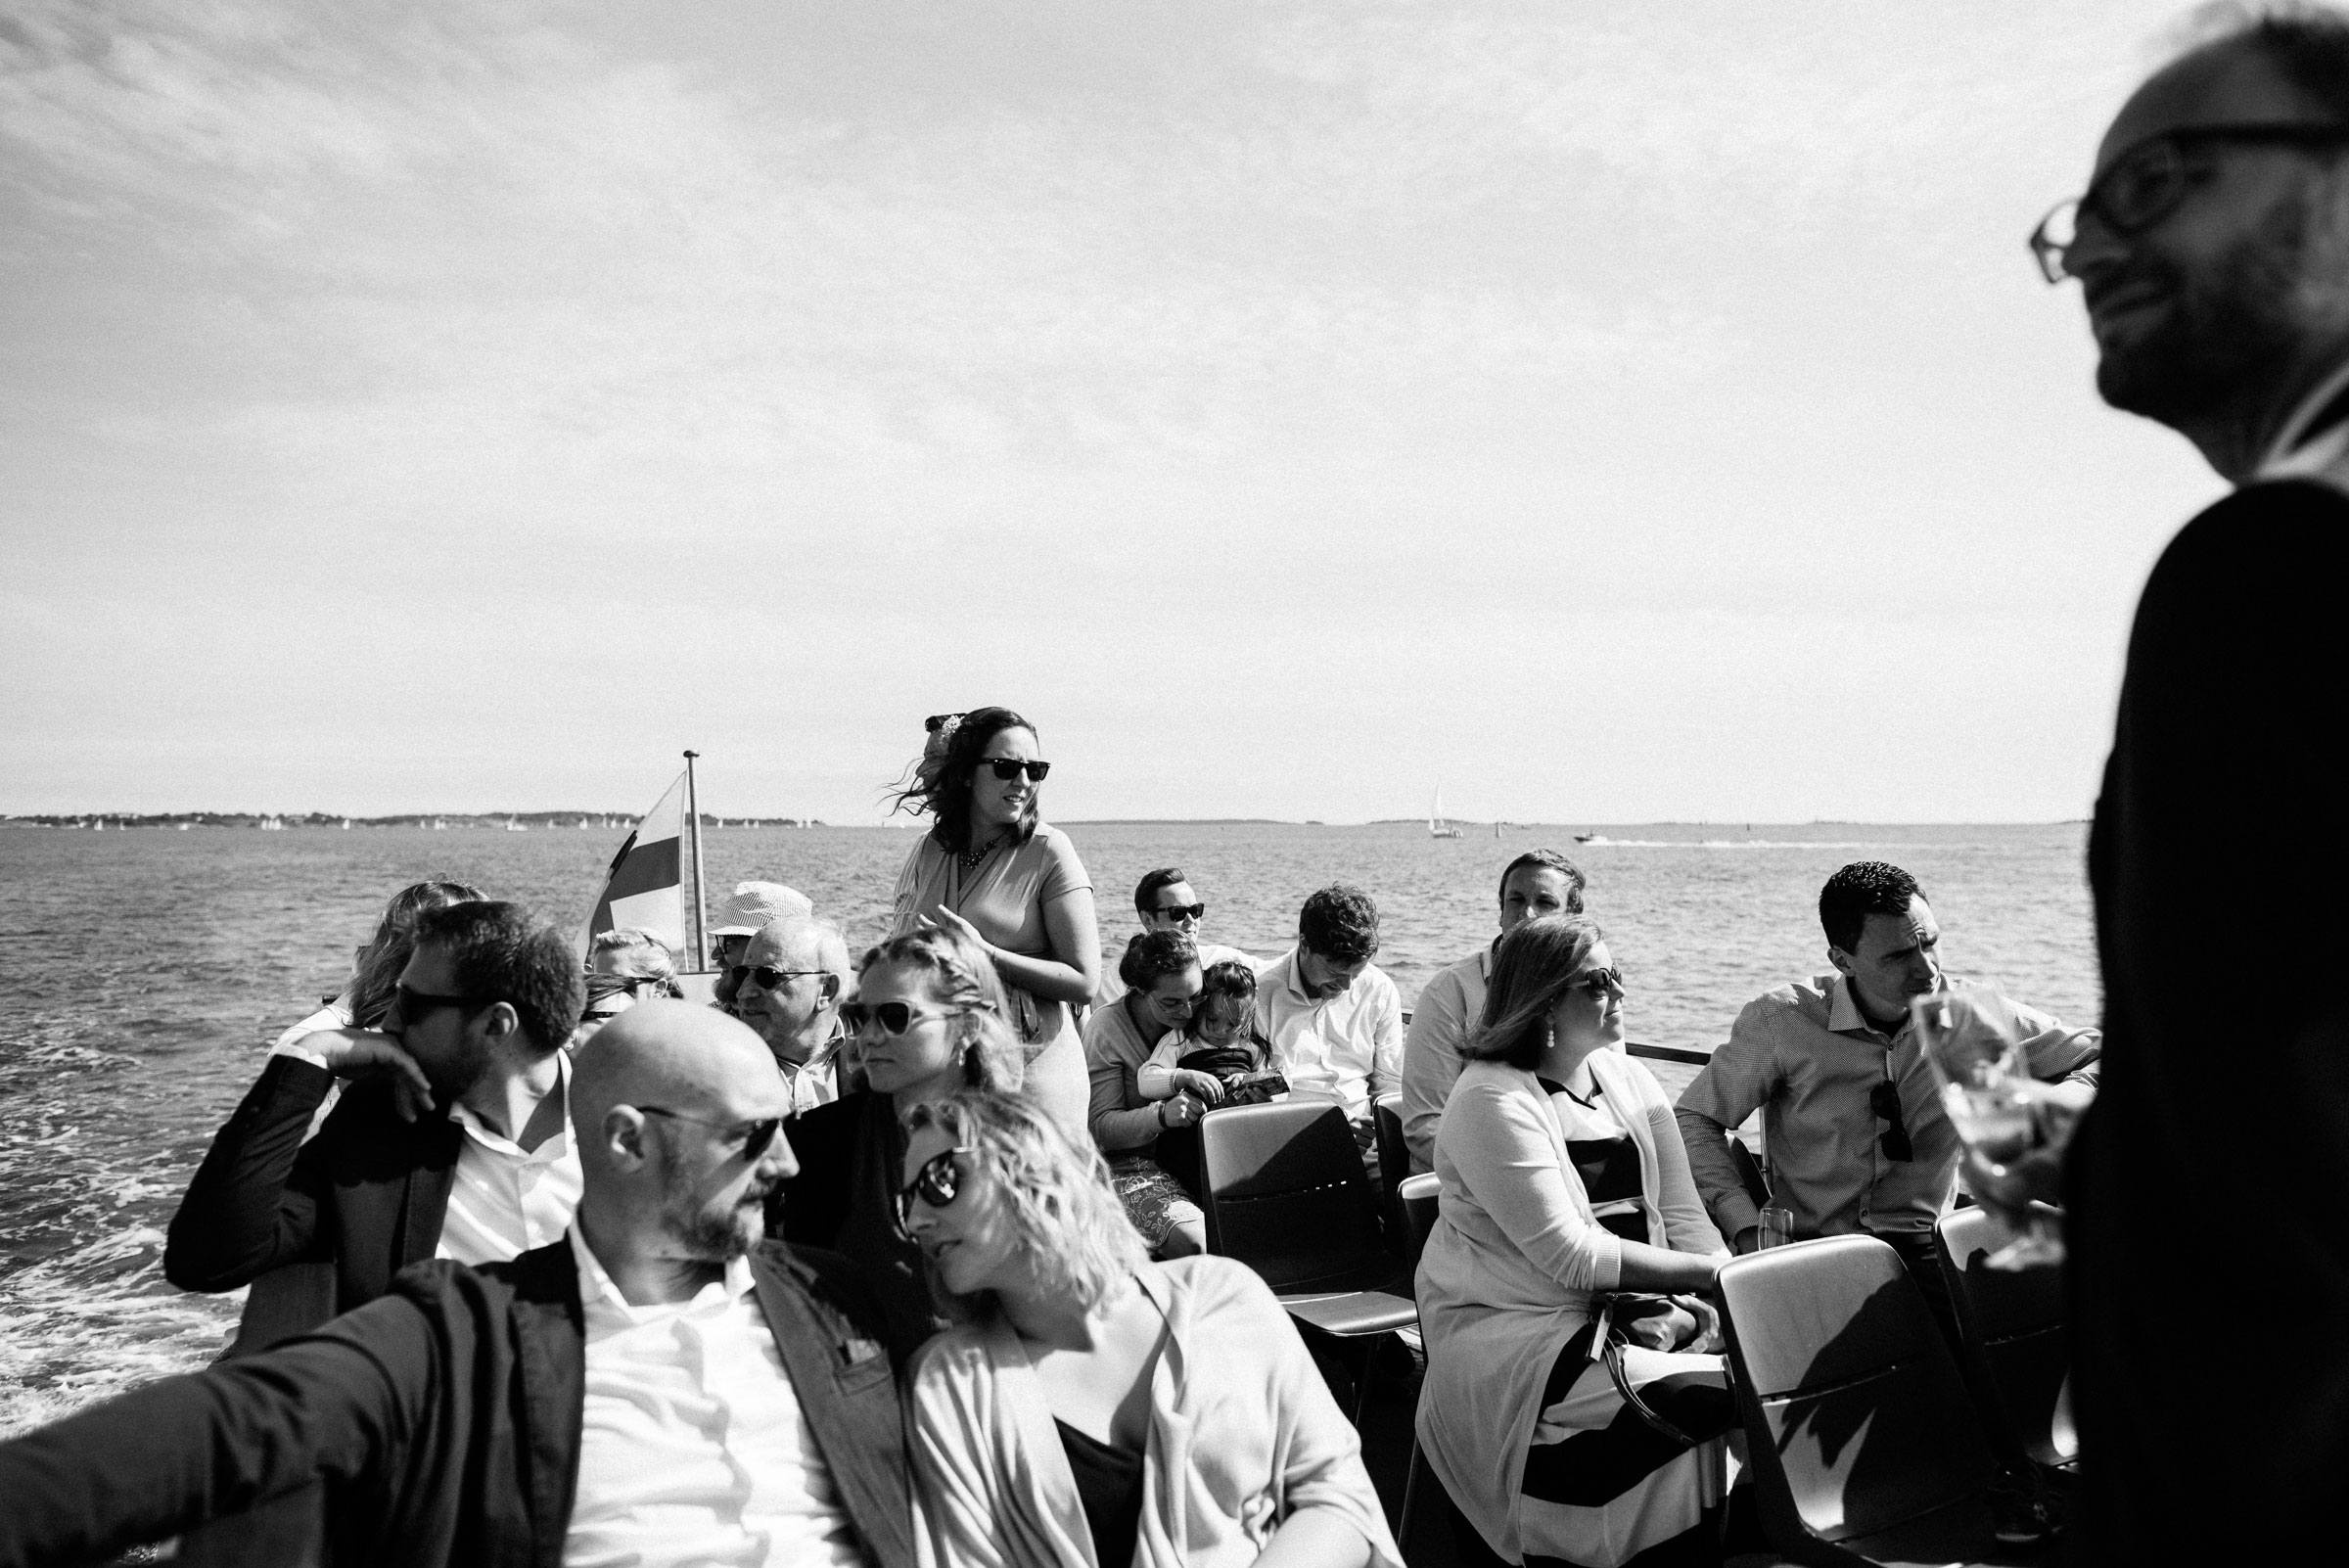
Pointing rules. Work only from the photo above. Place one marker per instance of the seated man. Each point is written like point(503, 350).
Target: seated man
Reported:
point(1334, 1021)
point(739, 916)
point(450, 1138)
point(601, 1399)
point(790, 984)
point(1164, 901)
point(1539, 882)
point(1851, 1113)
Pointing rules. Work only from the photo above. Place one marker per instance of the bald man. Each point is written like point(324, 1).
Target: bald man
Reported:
point(793, 978)
point(662, 1386)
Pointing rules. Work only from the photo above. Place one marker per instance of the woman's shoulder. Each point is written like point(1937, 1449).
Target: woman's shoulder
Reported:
point(1051, 845)
point(1487, 1079)
point(1205, 1284)
point(1628, 1079)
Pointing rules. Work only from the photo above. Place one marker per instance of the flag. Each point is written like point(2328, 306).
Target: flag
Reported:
point(646, 887)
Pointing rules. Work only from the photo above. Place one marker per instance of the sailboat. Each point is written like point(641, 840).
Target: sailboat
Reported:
point(1437, 827)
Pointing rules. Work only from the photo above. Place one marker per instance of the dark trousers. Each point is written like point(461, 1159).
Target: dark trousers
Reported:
point(1922, 1260)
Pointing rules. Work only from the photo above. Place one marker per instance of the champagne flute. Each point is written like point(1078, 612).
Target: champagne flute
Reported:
point(1975, 1045)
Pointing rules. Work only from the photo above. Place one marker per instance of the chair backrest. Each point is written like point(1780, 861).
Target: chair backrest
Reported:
point(1855, 1418)
point(1416, 1198)
point(1285, 1192)
point(1394, 1165)
point(2012, 1323)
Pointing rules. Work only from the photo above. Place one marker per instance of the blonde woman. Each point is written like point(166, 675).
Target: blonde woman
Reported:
point(1092, 1408)
point(927, 1021)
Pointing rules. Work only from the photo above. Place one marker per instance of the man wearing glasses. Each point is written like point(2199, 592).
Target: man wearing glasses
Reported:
point(1163, 901)
point(1851, 1113)
point(789, 988)
point(657, 1385)
point(738, 917)
point(2212, 248)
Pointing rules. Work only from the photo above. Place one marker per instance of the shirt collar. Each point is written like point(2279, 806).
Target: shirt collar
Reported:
point(1844, 1016)
point(2315, 440)
point(597, 1290)
point(554, 1148)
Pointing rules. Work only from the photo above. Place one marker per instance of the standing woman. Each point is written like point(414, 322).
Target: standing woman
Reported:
point(1092, 1408)
point(1161, 975)
point(989, 869)
point(1563, 1180)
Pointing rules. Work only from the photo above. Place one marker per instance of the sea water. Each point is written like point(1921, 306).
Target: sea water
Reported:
point(143, 974)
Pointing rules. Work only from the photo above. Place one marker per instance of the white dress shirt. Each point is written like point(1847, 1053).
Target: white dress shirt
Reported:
point(505, 1200)
point(693, 1450)
point(1347, 1049)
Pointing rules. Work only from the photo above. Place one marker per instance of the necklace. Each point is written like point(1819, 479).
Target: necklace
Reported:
point(969, 859)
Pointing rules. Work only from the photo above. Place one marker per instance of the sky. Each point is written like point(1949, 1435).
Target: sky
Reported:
point(1606, 412)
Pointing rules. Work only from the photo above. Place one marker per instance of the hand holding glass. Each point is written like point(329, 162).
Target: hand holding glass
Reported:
point(1987, 1089)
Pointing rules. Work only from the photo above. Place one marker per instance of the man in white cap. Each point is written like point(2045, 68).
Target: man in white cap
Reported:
point(738, 918)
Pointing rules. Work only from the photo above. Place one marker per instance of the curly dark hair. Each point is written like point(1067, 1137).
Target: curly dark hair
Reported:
point(2308, 43)
point(1857, 891)
point(939, 782)
point(1153, 955)
point(502, 952)
point(1230, 978)
point(1340, 923)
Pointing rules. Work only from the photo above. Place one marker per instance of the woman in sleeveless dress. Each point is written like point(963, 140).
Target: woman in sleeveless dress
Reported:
point(991, 870)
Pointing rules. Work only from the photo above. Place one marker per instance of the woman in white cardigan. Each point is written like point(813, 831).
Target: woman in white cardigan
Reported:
point(1563, 1176)
point(1092, 1409)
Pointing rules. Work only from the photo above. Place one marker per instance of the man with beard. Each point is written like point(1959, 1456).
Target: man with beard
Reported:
point(2213, 249)
point(449, 1141)
point(658, 1386)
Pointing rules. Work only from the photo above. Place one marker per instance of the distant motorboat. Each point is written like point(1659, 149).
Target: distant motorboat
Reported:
point(1437, 826)
point(1585, 838)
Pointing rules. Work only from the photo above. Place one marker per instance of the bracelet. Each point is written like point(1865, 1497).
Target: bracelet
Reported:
point(1162, 1116)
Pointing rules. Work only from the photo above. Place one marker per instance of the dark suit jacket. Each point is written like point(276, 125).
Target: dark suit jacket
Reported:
point(843, 1199)
point(445, 1417)
point(2208, 1189)
point(365, 1198)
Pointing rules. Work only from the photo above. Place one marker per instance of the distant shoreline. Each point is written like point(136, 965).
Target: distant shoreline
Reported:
point(620, 821)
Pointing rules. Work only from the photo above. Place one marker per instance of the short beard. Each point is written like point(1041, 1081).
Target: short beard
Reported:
point(2226, 337)
point(711, 1232)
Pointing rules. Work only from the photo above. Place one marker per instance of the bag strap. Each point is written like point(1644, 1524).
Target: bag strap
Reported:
point(1612, 1355)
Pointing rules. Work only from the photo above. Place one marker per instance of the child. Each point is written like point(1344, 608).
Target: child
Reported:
point(1220, 1057)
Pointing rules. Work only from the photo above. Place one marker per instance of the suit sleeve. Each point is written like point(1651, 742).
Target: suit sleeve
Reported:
point(244, 1213)
point(179, 1451)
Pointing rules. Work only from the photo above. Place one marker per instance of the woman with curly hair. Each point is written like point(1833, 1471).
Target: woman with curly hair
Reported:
point(927, 1021)
point(992, 870)
point(1090, 1407)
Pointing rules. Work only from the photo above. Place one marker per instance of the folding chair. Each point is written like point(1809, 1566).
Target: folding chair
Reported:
point(1394, 1166)
point(1285, 1193)
point(2012, 1325)
point(1863, 1445)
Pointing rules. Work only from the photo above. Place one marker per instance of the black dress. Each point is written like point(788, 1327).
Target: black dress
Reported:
point(1109, 1483)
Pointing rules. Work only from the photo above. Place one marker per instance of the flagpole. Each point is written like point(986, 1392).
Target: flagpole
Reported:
point(701, 916)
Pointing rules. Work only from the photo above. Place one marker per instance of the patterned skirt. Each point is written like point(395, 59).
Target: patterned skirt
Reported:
point(1155, 1202)
point(1602, 1488)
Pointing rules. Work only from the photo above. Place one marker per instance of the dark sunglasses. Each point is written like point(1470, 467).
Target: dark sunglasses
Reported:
point(600, 1015)
point(755, 1136)
point(1885, 1100)
point(936, 1184)
point(1598, 982)
point(893, 1017)
point(1010, 767)
point(415, 1005)
point(1181, 911)
point(769, 977)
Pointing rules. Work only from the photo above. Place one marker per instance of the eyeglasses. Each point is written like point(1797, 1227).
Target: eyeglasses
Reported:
point(1885, 1100)
point(1181, 911)
point(936, 1184)
point(1010, 767)
point(2145, 184)
point(1598, 982)
point(601, 1015)
point(755, 1136)
point(893, 1017)
point(769, 977)
point(415, 1005)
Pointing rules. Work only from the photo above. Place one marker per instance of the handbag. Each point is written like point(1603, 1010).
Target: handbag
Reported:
point(1653, 1320)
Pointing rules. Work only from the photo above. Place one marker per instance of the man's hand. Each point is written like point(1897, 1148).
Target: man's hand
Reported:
point(1747, 1240)
point(358, 1053)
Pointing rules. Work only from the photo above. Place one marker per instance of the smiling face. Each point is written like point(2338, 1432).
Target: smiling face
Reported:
point(2238, 287)
point(1324, 977)
point(1898, 958)
point(1001, 803)
point(1588, 1018)
point(1533, 889)
point(924, 1060)
point(970, 1242)
point(1169, 1000)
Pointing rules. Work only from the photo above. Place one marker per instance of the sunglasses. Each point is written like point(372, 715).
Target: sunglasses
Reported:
point(415, 1005)
point(936, 1184)
point(1885, 1100)
point(769, 977)
point(893, 1017)
point(1011, 768)
point(1181, 911)
point(601, 1015)
point(1598, 984)
point(755, 1136)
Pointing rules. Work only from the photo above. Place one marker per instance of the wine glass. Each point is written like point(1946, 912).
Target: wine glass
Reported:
point(1975, 1045)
